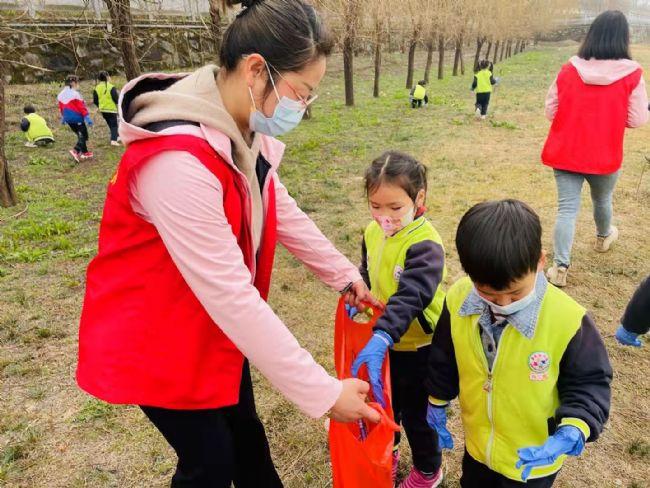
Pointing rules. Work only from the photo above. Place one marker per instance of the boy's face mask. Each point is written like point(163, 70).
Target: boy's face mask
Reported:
point(392, 225)
point(512, 308)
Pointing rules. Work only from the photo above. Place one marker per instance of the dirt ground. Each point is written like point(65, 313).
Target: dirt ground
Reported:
point(54, 435)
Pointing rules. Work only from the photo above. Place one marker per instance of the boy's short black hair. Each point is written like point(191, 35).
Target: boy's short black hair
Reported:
point(29, 109)
point(499, 242)
point(422, 82)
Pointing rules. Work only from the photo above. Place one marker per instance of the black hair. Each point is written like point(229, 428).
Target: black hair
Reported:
point(422, 82)
point(499, 242)
point(397, 168)
point(483, 64)
point(70, 79)
point(29, 109)
point(608, 37)
point(103, 76)
point(289, 34)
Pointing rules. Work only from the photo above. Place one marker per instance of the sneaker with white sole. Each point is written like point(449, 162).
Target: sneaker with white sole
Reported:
point(30, 144)
point(75, 155)
point(87, 155)
point(116, 143)
point(603, 244)
point(557, 275)
point(478, 112)
point(417, 479)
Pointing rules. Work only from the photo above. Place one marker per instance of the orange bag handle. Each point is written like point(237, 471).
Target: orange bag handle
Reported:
point(384, 417)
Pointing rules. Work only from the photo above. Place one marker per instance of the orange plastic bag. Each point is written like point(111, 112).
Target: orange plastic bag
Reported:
point(361, 452)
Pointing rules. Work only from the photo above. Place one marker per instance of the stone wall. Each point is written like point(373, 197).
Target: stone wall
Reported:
point(158, 48)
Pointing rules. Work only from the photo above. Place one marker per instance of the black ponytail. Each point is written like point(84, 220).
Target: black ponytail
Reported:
point(289, 34)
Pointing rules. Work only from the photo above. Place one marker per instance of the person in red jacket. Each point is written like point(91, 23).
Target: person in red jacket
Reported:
point(595, 96)
point(175, 305)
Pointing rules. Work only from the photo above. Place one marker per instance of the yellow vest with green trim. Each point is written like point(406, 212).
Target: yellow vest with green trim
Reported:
point(386, 257)
point(508, 408)
point(38, 128)
point(419, 92)
point(483, 84)
point(106, 103)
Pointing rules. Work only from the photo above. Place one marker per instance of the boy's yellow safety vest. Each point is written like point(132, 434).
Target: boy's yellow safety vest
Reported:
point(419, 92)
point(386, 257)
point(106, 103)
point(483, 84)
point(38, 128)
point(508, 407)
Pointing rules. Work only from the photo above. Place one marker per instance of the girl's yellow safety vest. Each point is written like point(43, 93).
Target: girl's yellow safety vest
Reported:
point(106, 103)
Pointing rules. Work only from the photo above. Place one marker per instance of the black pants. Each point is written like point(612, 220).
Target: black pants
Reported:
point(410, 400)
point(44, 142)
point(482, 102)
point(82, 136)
point(111, 121)
point(218, 446)
point(418, 103)
point(637, 313)
point(478, 475)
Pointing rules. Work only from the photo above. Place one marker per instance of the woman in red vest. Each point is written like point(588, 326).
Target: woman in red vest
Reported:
point(595, 96)
point(175, 302)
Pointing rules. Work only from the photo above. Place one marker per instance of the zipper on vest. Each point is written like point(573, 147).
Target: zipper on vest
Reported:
point(488, 387)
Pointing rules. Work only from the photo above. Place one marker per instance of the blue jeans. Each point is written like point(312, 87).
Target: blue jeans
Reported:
point(569, 187)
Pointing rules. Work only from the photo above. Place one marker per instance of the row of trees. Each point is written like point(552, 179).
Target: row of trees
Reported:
point(496, 28)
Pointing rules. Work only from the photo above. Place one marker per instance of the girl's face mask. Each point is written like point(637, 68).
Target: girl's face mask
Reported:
point(392, 225)
point(511, 308)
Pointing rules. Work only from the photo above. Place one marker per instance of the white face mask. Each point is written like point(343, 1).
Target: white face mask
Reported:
point(392, 225)
point(513, 307)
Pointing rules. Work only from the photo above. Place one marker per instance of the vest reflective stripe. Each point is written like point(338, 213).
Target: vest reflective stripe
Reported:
point(38, 128)
point(419, 92)
point(483, 84)
point(386, 257)
point(508, 408)
point(106, 103)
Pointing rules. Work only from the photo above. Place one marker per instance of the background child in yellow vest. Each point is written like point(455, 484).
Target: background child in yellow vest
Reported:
point(35, 128)
point(527, 362)
point(483, 81)
point(403, 263)
point(419, 95)
point(105, 97)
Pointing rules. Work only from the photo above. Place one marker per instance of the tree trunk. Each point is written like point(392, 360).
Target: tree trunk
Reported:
point(120, 11)
point(477, 56)
point(503, 50)
point(411, 63)
point(457, 57)
point(509, 51)
point(517, 47)
point(215, 24)
point(441, 56)
point(375, 88)
point(460, 55)
point(348, 70)
point(489, 50)
point(7, 191)
point(427, 68)
point(496, 52)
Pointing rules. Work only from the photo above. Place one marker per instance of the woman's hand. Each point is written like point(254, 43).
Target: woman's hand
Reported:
point(351, 404)
point(358, 293)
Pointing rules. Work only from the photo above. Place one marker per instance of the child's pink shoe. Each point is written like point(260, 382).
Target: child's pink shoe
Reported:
point(416, 479)
point(395, 463)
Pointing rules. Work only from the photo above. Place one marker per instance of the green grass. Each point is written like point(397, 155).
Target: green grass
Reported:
point(78, 441)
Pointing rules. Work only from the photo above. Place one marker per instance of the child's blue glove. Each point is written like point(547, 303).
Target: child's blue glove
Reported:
point(88, 120)
point(437, 420)
point(372, 355)
point(627, 338)
point(352, 311)
point(566, 440)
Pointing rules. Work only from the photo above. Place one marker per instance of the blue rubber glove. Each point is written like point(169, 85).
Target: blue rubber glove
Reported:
point(437, 420)
point(352, 311)
point(566, 440)
point(372, 355)
point(88, 121)
point(627, 338)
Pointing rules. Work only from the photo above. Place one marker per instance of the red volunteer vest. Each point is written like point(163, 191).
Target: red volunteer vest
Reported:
point(144, 337)
point(587, 132)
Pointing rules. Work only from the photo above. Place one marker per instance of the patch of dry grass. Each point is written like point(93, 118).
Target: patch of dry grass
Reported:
point(51, 434)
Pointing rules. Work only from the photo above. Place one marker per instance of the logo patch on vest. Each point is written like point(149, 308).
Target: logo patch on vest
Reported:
point(397, 272)
point(539, 364)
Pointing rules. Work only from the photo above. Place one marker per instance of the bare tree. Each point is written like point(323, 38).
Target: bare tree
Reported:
point(7, 191)
point(120, 12)
point(217, 8)
point(351, 18)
